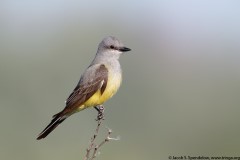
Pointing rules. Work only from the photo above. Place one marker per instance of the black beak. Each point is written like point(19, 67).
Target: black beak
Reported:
point(124, 49)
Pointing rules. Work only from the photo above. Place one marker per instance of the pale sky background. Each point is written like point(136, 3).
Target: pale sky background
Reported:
point(180, 91)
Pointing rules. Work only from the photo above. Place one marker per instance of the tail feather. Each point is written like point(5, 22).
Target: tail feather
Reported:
point(57, 119)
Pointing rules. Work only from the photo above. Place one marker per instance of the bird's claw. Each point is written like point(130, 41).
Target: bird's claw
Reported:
point(100, 110)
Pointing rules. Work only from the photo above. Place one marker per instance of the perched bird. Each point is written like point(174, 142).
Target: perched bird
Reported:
point(99, 82)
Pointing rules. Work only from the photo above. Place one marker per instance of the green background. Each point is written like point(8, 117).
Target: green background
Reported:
point(180, 94)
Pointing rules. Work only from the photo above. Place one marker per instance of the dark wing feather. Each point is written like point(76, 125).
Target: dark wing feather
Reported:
point(84, 90)
point(94, 79)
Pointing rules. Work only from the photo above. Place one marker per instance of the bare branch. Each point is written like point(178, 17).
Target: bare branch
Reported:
point(102, 143)
point(93, 145)
point(92, 142)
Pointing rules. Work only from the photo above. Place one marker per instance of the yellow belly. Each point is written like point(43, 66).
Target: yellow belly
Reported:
point(113, 85)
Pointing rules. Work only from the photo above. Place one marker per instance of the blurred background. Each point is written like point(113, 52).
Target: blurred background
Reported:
point(180, 90)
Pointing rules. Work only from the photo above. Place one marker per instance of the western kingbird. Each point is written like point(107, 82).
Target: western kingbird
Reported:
point(99, 82)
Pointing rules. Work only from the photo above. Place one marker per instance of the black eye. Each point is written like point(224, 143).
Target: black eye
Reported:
point(112, 47)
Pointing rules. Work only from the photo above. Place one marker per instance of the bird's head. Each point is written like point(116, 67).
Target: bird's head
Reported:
point(111, 46)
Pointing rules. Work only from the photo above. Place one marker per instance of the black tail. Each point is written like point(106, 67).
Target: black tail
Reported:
point(57, 119)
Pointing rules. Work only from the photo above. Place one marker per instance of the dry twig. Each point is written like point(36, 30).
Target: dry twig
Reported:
point(93, 146)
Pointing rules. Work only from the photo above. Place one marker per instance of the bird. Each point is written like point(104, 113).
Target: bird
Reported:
point(99, 82)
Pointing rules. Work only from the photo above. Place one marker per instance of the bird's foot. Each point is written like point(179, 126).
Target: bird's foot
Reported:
point(100, 110)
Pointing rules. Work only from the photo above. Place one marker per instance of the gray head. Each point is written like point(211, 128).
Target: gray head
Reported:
point(111, 46)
